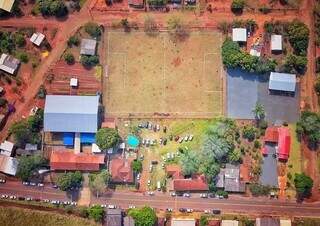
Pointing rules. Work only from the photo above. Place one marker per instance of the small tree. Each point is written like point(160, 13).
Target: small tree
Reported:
point(204, 220)
point(150, 26)
point(144, 216)
point(259, 112)
point(93, 29)
point(69, 181)
point(23, 57)
point(96, 213)
point(69, 58)
point(19, 40)
point(235, 156)
point(237, 6)
point(177, 29)
point(89, 61)
point(106, 138)
point(99, 182)
point(136, 166)
point(73, 40)
point(223, 26)
point(249, 132)
point(303, 184)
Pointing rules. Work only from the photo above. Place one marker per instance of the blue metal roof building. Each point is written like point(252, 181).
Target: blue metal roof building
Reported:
point(282, 82)
point(76, 114)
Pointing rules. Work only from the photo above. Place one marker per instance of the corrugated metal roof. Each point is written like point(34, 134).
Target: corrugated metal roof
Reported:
point(276, 42)
point(64, 113)
point(88, 46)
point(282, 81)
point(183, 222)
point(239, 34)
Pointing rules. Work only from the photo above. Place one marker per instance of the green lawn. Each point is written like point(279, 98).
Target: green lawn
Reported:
point(295, 160)
point(24, 217)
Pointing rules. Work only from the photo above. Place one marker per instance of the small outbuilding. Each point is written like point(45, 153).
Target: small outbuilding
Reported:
point(229, 223)
point(276, 43)
point(88, 47)
point(37, 38)
point(6, 5)
point(139, 4)
point(6, 148)
point(239, 34)
point(183, 222)
point(8, 165)
point(9, 64)
point(74, 82)
point(282, 82)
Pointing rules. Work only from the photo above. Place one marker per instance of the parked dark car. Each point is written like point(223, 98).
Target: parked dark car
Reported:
point(183, 210)
point(216, 211)
point(154, 162)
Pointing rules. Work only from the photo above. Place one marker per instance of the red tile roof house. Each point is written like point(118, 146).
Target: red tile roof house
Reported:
point(67, 160)
point(121, 171)
point(174, 171)
point(281, 136)
point(197, 183)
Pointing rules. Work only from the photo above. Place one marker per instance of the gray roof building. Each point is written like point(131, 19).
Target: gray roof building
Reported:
point(276, 42)
point(88, 47)
point(64, 113)
point(239, 34)
point(267, 221)
point(282, 82)
point(113, 217)
point(128, 221)
point(229, 179)
point(9, 63)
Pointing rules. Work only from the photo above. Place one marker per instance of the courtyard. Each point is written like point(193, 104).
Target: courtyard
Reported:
point(154, 76)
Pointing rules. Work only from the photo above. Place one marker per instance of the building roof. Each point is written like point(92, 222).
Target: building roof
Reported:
point(136, 3)
point(285, 222)
point(219, 179)
point(6, 5)
point(276, 42)
point(195, 184)
point(214, 222)
point(229, 223)
point(37, 38)
point(232, 181)
point(121, 170)
point(109, 123)
point(8, 165)
point(267, 221)
point(67, 160)
point(6, 148)
point(183, 222)
point(239, 34)
point(73, 82)
point(8, 63)
point(88, 46)
point(271, 134)
point(284, 143)
point(174, 171)
point(128, 221)
point(282, 82)
point(31, 147)
point(113, 217)
point(64, 113)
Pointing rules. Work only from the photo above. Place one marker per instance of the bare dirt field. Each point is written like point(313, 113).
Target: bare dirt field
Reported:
point(154, 76)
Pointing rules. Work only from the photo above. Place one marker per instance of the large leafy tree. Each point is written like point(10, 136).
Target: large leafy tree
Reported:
point(298, 34)
point(144, 216)
point(303, 185)
point(136, 166)
point(93, 29)
point(309, 126)
point(69, 181)
point(98, 182)
point(96, 213)
point(28, 165)
point(107, 138)
point(189, 162)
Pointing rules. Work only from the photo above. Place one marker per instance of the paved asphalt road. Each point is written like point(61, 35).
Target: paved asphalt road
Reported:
point(124, 199)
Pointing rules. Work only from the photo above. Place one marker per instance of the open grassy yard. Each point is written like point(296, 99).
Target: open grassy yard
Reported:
point(295, 160)
point(151, 75)
point(23, 217)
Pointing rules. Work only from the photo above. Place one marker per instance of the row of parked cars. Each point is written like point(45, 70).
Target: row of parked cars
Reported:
point(26, 183)
point(151, 126)
point(202, 195)
point(56, 202)
point(189, 210)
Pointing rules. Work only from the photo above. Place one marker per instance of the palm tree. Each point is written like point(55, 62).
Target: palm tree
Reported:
point(259, 112)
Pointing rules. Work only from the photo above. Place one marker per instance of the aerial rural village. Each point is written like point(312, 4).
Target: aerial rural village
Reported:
point(159, 112)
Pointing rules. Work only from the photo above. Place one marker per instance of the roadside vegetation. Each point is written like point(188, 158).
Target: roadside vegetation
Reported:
point(98, 182)
point(23, 217)
point(309, 127)
point(143, 216)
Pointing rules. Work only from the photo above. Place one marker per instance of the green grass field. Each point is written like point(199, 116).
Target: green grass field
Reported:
point(295, 160)
point(148, 75)
point(23, 217)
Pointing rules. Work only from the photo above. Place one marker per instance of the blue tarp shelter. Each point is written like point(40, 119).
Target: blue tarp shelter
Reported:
point(68, 139)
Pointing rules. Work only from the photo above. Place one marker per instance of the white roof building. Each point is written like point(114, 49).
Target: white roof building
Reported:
point(37, 38)
point(183, 222)
point(95, 148)
point(9, 63)
point(8, 165)
point(285, 222)
point(88, 47)
point(74, 82)
point(239, 34)
point(276, 42)
point(282, 82)
point(6, 148)
point(229, 223)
